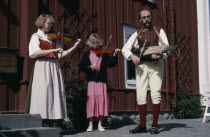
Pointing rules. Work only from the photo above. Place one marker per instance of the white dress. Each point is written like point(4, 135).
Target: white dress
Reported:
point(48, 92)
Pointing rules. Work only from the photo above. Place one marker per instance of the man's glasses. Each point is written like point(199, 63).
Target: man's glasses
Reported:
point(144, 17)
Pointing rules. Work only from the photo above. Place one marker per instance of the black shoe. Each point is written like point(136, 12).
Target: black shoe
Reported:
point(154, 130)
point(138, 129)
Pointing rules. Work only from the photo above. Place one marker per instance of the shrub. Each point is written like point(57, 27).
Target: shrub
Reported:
point(187, 106)
point(76, 97)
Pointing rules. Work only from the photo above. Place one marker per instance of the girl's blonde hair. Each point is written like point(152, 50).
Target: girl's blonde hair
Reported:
point(41, 20)
point(94, 39)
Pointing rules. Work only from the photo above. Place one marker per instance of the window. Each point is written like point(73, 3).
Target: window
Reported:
point(130, 74)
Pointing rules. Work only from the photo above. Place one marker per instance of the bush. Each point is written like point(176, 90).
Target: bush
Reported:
point(76, 97)
point(187, 106)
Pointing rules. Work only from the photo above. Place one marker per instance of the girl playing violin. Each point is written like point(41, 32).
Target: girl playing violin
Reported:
point(47, 92)
point(95, 68)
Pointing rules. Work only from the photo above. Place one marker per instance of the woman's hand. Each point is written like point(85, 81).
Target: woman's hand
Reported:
point(59, 50)
point(78, 42)
point(70, 50)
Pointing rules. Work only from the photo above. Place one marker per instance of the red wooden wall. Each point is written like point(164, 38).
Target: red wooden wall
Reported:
point(107, 18)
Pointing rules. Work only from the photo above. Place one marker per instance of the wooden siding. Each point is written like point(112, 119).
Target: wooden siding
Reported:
point(17, 25)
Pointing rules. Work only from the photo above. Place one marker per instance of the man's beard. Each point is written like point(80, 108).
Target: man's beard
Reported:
point(147, 25)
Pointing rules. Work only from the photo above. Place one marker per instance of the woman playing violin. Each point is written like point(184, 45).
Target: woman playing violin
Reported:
point(95, 66)
point(47, 92)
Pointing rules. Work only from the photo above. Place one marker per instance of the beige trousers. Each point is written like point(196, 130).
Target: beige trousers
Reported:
point(149, 73)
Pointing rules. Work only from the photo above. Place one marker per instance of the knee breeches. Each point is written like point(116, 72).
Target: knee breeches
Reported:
point(149, 73)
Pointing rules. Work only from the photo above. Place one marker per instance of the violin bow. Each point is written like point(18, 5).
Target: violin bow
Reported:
point(104, 49)
point(143, 48)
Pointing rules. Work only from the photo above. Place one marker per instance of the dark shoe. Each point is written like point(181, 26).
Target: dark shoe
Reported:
point(138, 129)
point(154, 130)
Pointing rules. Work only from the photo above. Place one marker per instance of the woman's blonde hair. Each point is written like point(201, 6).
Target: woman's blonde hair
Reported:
point(41, 20)
point(94, 39)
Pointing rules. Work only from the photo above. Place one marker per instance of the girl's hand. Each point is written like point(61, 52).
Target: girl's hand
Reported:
point(93, 67)
point(116, 51)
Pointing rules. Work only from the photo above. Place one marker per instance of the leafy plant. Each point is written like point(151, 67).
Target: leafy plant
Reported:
point(187, 105)
point(76, 97)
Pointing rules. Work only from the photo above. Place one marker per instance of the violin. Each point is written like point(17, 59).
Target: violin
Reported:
point(64, 38)
point(108, 50)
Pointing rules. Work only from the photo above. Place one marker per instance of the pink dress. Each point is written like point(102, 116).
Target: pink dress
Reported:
point(97, 98)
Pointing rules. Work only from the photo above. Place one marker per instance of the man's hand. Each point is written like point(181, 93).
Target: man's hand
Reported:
point(156, 56)
point(135, 59)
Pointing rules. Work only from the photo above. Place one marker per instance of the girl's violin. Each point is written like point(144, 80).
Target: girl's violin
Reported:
point(108, 50)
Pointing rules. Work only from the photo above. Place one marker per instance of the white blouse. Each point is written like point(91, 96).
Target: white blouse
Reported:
point(34, 44)
point(126, 51)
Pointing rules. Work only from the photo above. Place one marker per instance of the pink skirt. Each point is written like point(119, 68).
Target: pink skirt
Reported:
point(97, 99)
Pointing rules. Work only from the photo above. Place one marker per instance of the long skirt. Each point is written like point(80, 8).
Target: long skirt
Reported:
point(48, 96)
point(97, 99)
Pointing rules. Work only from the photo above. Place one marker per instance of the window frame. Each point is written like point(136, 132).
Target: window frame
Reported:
point(128, 30)
point(203, 24)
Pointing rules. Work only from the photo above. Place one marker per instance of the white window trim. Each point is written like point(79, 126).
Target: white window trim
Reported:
point(129, 83)
point(203, 10)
